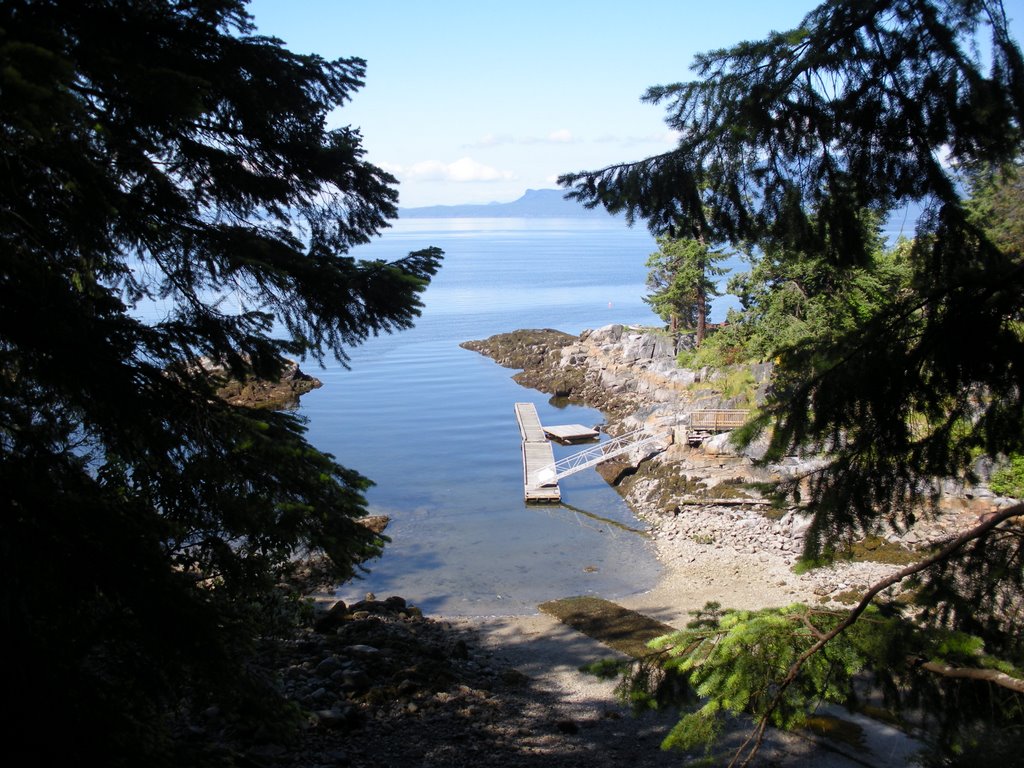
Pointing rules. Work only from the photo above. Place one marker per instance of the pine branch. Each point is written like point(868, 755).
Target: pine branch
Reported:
point(748, 750)
point(815, 632)
point(571, 178)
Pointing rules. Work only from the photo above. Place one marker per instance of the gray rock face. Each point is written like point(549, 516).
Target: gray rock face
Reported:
point(618, 369)
point(608, 334)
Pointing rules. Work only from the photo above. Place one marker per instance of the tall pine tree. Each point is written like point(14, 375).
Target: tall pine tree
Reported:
point(680, 276)
point(161, 151)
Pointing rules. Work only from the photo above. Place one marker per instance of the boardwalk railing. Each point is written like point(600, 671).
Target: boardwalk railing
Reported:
point(717, 420)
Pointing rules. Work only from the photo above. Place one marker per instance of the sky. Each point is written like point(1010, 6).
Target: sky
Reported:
point(476, 102)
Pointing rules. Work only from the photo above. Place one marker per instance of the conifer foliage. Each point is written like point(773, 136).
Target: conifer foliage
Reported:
point(797, 145)
point(160, 153)
point(681, 279)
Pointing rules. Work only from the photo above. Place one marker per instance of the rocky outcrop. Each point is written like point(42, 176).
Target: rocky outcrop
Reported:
point(619, 369)
point(711, 490)
point(539, 354)
point(248, 390)
point(376, 523)
point(630, 374)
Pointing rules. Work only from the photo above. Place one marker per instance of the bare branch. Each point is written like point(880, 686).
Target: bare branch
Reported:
point(993, 676)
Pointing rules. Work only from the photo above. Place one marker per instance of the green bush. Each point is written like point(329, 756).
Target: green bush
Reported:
point(1009, 480)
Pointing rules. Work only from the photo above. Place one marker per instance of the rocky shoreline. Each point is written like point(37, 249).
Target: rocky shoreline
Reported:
point(702, 502)
point(381, 685)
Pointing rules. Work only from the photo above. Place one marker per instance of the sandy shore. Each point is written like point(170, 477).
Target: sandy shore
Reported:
point(551, 653)
point(736, 557)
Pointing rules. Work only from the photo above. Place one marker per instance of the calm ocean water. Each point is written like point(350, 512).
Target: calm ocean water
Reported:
point(433, 424)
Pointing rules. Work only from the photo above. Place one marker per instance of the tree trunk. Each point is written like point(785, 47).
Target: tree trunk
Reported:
point(702, 315)
point(702, 298)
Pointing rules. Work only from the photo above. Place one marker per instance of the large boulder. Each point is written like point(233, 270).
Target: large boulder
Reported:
point(720, 445)
point(607, 334)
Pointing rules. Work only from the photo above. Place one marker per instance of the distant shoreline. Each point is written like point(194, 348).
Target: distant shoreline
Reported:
point(534, 204)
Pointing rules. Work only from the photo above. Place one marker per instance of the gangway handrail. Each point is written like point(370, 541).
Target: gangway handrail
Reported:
point(594, 455)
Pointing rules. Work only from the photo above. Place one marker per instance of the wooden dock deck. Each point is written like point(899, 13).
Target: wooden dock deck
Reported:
point(567, 434)
point(537, 454)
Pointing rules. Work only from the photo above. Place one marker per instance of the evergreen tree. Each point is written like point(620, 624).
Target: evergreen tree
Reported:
point(787, 298)
point(785, 143)
point(162, 152)
point(996, 203)
point(680, 278)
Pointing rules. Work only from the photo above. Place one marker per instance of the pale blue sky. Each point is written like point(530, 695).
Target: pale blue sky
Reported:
point(474, 102)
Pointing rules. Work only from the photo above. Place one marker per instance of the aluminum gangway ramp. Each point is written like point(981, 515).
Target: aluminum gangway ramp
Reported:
point(537, 455)
point(570, 465)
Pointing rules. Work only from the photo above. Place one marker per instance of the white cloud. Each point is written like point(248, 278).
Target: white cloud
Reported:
point(427, 170)
point(465, 169)
point(493, 140)
point(392, 168)
point(563, 136)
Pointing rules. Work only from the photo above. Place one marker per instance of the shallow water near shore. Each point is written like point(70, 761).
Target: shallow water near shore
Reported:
point(433, 425)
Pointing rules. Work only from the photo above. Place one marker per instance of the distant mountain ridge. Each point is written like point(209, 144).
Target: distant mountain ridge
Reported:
point(535, 204)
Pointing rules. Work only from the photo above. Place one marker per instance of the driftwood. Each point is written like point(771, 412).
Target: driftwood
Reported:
point(724, 502)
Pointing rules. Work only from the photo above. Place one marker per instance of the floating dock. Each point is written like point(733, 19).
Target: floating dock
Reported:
point(567, 434)
point(537, 455)
point(541, 472)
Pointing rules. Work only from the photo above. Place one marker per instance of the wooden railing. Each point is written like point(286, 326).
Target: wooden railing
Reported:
point(717, 420)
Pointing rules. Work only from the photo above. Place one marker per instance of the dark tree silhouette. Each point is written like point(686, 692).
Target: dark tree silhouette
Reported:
point(160, 151)
point(785, 144)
